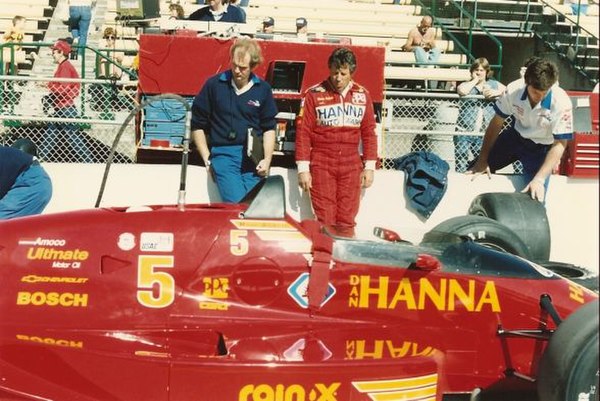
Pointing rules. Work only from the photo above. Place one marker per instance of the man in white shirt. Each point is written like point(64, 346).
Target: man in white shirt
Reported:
point(542, 124)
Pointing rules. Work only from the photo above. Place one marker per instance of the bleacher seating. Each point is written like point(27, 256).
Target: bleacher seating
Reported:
point(577, 43)
point(368, 23)
point(399, 58)
point(38, 14)
point(26, 9)
point(504, 10)
point(417, 73)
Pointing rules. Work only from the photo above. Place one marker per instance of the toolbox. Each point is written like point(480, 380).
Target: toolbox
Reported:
point(164, 120)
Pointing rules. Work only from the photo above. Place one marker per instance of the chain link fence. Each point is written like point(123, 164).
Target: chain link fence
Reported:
point(445, 124)
point(450, 126)
point(83, 133)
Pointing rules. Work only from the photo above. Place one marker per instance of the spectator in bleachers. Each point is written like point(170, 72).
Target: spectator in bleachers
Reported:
point(301, 29)
point(239, 6)
point(80, 18)
point(301, 26)
point(15, 34)
point(176, 11)
point(268, 25)
point(337, 116)
point(472, 116)
point(542, 124)
point(218, 10)
point(62, 98)
point(25, 187)
point(421, 41)
point(231, 106)
point(106, 68)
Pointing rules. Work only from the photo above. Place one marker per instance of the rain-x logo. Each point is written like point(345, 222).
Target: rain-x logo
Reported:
point(281, 392)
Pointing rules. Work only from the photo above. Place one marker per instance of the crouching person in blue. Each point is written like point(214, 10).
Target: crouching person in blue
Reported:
point(25, 187)
point(229, 106)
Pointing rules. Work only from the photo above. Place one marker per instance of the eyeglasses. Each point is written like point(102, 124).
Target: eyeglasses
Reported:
point(110, 37)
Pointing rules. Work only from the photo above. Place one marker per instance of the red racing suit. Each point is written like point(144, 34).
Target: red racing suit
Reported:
point(332, 127)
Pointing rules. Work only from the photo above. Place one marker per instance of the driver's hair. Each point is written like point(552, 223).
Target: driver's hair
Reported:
point(341, 57)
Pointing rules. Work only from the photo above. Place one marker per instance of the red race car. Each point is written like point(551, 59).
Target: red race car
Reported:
point(239, 302)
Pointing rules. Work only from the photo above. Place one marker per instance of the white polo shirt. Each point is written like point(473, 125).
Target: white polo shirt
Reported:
point(550, 119)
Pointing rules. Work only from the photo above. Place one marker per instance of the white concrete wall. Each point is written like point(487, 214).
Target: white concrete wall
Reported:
point(572, 203)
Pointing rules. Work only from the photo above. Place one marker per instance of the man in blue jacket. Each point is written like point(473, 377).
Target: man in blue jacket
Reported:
point(25, 187)
point(218, 10)
point(230, 106)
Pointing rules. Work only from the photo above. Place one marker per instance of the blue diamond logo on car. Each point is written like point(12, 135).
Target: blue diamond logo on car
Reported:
point(298, 290)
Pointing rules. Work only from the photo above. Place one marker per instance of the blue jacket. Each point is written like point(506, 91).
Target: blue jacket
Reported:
point(226, 117)
point(233, 14)
point(12, 163)
point(425, 180)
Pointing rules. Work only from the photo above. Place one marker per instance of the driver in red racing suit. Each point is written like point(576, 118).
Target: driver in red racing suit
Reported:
point(335, 116)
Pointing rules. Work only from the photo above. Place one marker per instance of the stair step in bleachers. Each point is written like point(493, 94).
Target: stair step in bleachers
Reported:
point(331, 11)
point(31, 24)
point(417, 73)
point(339, 4)
point(377, 1)
point(341, 28)
point(396, 57)
point(395, 44)
point(589, 23)
point(11, 3)
point(508, 10)
point(25, 9)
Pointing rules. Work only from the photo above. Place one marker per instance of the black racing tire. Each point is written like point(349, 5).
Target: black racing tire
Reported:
point(574, 273)
point(524, 216)
point(481, 230)
point(568, 369)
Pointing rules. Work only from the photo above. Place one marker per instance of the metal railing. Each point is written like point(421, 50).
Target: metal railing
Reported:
point(573, 42)
point(442, 123)
point(84, 135)
point(101, 55)
point(448, 125)
point(460, 13)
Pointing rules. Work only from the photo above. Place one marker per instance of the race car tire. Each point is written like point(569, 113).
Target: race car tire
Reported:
point(569, 367)
point(481, 230)
point(574, 273)
point(524, 216)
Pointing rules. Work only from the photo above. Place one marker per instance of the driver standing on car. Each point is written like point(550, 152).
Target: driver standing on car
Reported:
point(25, 187)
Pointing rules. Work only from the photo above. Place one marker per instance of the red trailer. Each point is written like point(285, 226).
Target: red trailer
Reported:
point(180, 64)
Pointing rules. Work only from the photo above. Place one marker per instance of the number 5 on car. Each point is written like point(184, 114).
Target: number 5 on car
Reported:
point(148, 277)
